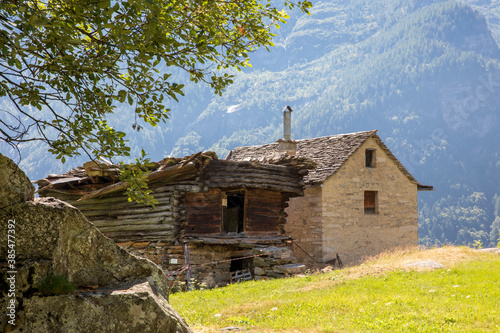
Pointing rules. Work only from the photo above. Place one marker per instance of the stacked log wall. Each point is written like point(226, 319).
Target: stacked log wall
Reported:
point(227, 174)
point(203, 212)
point(125, 221)
point(264, 209)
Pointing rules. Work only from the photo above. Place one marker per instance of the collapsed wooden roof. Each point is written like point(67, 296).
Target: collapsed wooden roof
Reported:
point(328, 152)
point(97, 179)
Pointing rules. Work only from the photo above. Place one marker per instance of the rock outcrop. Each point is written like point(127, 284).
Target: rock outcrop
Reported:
point(114, 290)
point(15, 187)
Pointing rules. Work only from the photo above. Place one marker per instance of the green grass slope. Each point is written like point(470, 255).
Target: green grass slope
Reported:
point(382, 295)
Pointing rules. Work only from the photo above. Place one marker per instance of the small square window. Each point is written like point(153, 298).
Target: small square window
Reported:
point(371, 202)
point(370, 158)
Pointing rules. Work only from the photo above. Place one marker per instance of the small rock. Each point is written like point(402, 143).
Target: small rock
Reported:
point(259, 271)
point(492, 250)
point(432, 264)
point(277, 252)
point(231, 328)
point(290, 269)
point(327, 269)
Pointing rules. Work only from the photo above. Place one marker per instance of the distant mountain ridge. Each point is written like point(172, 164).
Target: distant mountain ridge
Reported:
point(415, 75)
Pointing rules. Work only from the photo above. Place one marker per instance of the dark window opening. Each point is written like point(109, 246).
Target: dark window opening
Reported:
point(233, 212)
point(240, 270)
point(371, 202)
point(370, 158)
point(239, 264)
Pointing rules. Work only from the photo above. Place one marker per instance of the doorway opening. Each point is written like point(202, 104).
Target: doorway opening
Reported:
point(233, 212)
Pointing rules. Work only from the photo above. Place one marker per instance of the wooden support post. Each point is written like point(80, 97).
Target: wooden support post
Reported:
point(188, 263)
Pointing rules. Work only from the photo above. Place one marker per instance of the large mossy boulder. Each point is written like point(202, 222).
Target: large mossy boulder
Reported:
point(68, 276)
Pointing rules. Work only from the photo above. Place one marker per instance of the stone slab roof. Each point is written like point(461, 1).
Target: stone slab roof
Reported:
point(329, 153)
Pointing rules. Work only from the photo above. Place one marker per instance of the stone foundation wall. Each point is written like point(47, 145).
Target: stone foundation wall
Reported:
point(305, 225)
point(265, 262)
point(158, 252)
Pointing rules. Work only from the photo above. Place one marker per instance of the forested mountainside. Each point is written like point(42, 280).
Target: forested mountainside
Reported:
point(425, 73)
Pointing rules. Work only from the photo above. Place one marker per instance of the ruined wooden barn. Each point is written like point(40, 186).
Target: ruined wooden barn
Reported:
point(217, 216)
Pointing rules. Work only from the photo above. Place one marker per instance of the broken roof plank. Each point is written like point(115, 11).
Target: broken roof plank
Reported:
point(166, 174)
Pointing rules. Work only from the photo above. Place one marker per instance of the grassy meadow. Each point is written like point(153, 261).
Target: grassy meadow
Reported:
point(382, 295)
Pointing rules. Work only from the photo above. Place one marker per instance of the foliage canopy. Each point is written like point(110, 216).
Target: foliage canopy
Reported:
point(66, 64)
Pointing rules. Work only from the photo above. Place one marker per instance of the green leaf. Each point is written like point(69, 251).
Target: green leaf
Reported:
point(122, 94)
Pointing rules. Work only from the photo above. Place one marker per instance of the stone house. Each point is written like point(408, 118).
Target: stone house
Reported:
point(359, 201)
point(215, 220)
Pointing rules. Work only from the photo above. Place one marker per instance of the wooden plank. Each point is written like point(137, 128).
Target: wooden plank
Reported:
point(167, 174)
point(165, 213)
point(202, 209)
point(203, 212)
point(261, 220)
point(204, 203)
point(274, 200)
point(254, 217)
point(138, 227)
point(126, 213)
point(213, 192)
point(265, 211)
point(104, 220)
point(140, 236)
point(263, 173)
point(221, 164)
point(264, 221)
point(204, 220)
point(252, 180)
point(122, 204)
point(251, 238)
point(197, 212)
point(243, 176)
point(262, 227)
point(202, 229)
point(262, 192)
point(158, 188)
point(264, 202)
point(278, 186)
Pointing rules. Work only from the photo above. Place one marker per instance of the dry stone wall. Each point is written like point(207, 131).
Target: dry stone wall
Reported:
point(347, 229)
point(305, 224)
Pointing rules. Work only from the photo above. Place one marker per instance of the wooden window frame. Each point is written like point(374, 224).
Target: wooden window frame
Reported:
point(370, 202)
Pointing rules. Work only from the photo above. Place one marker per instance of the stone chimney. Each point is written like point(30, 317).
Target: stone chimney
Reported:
point(287, 144)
